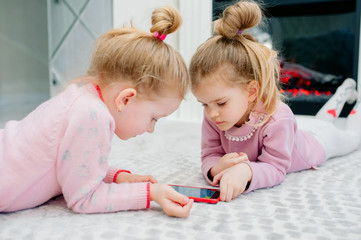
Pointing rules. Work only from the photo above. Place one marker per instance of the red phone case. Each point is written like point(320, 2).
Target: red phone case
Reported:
point(196, 199)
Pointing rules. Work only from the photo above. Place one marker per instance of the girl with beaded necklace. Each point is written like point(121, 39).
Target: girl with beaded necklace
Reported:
point(62, 147)
point(250, 138)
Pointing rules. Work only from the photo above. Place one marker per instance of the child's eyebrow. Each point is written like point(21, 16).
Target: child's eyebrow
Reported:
point(216, 100)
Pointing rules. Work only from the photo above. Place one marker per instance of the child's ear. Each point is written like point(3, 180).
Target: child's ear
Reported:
point(123, 98)
point(253, 88)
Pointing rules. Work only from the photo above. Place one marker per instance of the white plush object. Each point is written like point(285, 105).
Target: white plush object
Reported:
point(312, 204)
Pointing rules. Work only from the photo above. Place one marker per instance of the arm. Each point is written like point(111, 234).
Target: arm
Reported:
point(86, 179)
point(82, 165)
point(276, 154)
point(212, 149)
point(214, 159)
point(173, 203)
point(270, 168)
point(124, 176)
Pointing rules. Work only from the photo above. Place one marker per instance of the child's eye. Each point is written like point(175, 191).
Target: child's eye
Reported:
point(221, 103)
point(204, 105)
point(154, 119)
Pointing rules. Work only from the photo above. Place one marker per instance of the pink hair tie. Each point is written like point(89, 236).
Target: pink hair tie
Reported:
point(240, 32)
point(159, 36)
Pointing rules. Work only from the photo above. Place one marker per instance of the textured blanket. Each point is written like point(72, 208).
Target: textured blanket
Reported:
point(312, 204)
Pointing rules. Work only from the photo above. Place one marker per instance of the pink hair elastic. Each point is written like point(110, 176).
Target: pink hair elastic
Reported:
point(159, 36)
point(240, 32)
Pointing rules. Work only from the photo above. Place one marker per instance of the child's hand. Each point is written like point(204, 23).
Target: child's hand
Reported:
point(173, 203)
point(233, 181)
point(125, 177)
point(227, 161)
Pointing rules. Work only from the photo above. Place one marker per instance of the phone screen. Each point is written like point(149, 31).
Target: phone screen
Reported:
point(194, 192)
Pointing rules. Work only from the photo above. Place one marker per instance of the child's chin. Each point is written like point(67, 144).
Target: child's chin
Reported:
point(223, 127)
point(121, 137)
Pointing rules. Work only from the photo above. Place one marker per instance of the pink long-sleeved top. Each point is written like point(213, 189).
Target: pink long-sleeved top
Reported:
point(274, 149)
point(62, 147)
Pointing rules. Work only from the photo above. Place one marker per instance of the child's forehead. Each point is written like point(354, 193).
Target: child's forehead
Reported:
point(212, 86)
point(210, 93)
point(217, 79)
point(213, 80)
point(224, 75)
point(225, 72)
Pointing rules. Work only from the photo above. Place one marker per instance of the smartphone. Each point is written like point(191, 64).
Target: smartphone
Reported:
point(208, 195)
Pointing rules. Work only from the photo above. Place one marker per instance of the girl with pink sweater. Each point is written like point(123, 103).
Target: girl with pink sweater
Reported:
point(250, 138)
point(62, 147)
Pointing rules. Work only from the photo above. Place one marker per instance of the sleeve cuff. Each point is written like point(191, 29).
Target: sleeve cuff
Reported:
point(148, 195)
point(250, 185)
point(209, 175)
point(142, 190)
point(117, 173)
point(112, 174)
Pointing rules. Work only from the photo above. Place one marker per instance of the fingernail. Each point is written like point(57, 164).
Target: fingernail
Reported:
point(186, 200)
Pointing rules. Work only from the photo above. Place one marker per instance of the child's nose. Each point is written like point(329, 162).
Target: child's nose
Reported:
point(213, 113)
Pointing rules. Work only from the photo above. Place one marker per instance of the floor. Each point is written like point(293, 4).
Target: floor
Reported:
point(312, 204)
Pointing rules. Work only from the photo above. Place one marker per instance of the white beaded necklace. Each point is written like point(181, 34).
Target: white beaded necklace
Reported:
point(245, 137)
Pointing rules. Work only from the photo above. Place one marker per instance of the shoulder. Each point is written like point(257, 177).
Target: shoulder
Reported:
point(86, 107)
point(283, 111)
point(282, 119)
point(208, 125)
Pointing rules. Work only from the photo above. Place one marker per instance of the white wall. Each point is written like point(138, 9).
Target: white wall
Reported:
point(139, 12)
point(196, 28)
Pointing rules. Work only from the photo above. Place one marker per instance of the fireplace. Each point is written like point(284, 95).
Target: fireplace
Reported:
point(318, 42)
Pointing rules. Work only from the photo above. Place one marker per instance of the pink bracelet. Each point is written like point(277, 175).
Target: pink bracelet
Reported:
point(148, 195)
point(117, 173)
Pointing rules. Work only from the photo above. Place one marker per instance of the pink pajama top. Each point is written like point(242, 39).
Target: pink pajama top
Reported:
point(62, 147)
point(274, 149)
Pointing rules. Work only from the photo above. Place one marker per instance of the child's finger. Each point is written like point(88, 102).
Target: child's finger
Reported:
point(240, 191)
point(178, 197)
point(187, 208)
point(236, 192)
point(223, 189)
point(239, 159)
point(217, 178)
point(232, 155)
point(229, 194)
point(152, 179)
point(139, 178)
point(177, 210)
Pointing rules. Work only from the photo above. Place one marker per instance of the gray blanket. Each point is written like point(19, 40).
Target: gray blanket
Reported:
point(312, 204)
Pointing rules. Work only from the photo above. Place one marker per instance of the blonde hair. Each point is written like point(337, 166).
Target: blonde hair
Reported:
point(147, 62)
point(248, 59)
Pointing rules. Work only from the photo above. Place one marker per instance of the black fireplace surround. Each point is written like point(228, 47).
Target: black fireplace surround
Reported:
point(318, 44)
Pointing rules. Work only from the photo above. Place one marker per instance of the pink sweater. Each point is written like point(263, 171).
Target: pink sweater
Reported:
point(62, 147)
point(274, 149)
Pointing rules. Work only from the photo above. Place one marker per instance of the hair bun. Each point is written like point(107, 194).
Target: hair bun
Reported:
point(166, 20)
point(240, 16)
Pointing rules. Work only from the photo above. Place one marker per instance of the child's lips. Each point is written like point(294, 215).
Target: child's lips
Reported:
point(219, 122)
